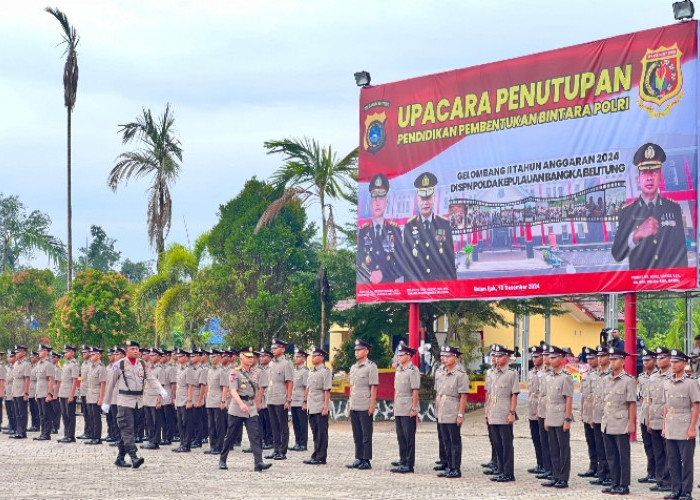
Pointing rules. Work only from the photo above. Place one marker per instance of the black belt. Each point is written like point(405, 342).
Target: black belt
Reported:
point(246, 398)
point(131, 393)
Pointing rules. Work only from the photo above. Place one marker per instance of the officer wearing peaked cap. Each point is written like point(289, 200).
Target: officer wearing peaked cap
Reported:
point(587, 408)
point(67, 393)
point(364, 379)
point(428, 247)
point(533, 385)
point(300, 419)
point(378, 240)
point(279, 398)
point(317, 402)
point(505, 388)
point(649, 367)
point(21, 374)
point(655, 421)
point(84, 372)
point(406, 388)
point(651, 234)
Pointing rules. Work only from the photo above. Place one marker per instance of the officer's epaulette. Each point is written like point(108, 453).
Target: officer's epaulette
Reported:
point(460, 370)
point(366, 224)
point(370, 362)
point(440, 217)
point(393, 223)
point(412, 219)
point(628, 375)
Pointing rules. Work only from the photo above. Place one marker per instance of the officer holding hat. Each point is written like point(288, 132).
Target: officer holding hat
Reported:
point(428, 248)
point(378, 240)
point(651, 234)
point(317, 401)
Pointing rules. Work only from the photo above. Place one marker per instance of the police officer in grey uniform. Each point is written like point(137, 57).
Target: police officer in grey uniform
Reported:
point(215, 404)
point(558, 418)
point(655, 418)
point(441, 462)
point(186, 380)
point(587, 408)
point(243, 410)
point(130, 376)
point(317, 401)
point(33, 404)
point(533, 387)
point(598, 385)
point(55, 404)
point(168, 379)
point(3, 381)
point(9, 401)
point(21, 373)
point(619, 421)
point(504, 399)
point(263, 370)
point(84, 371)
point(452, 401)
point(543, 375)
point(279, 398)
point(682, 405)
point(152, 403)
point(44, 392)
point(300, 419)
point(406, 389)
point(364, 379)
point(67, 393)
point(96, 390)
point(649, 368)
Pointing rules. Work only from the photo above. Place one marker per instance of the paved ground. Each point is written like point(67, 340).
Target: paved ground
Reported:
point(31, 469)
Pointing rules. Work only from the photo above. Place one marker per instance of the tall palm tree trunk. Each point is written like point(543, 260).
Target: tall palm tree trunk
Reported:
point(70, 207)
point(323, 271)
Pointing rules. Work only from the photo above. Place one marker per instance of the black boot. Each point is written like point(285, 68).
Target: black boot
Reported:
point(120, 462)
point(136, 461)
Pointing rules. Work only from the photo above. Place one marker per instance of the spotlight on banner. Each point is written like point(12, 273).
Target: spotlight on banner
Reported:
point(362, 78)
point(683, 11)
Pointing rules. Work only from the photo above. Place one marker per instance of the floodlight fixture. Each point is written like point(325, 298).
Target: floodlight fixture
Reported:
point(683, 11)
point(362, 78)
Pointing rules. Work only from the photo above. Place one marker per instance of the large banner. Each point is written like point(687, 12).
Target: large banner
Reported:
point(569, 171)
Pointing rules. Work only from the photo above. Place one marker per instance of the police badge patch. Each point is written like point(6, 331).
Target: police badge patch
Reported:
point(661, 83)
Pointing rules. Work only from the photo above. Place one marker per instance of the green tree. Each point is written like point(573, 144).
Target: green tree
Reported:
point(136, 272)
point(316, 173)
point(159, 159)
point(70, 90)
point(97, 311)
point(27, 301)
point(100, 253)
point(21, 234)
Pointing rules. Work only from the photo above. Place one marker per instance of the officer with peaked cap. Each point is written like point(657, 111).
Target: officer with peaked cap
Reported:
point(682, 397)
point(619, 421)
point(364, 379)
point(598, 385)
point(168, 379)
point(428, 248)
point(84, 371)
point(300, 419)
point(651, 233)
point(55, 404)
point(21, 373)
point(587, 407)
point(655, 422)
point(45, 376)
point(533, 386)
point(95, 395)
point(67, 394)
point(186, 380)
point(378, 240)
point(3, 382)
point(317, 402)
point(406, 389)
point(648, 368)
point(504, 399)
point(217, 379)
point(279, 398)
point(9, 401)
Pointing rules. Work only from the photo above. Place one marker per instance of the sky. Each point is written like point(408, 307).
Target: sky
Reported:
point(237, 74)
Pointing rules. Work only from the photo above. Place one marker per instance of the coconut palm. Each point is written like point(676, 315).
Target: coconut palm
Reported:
point(311, 172)
point(70, 89)
point(159, 159)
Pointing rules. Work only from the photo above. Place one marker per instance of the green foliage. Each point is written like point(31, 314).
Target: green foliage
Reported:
point(97, 311)
point(99, 254)
point(25, 295)
point(136, 272)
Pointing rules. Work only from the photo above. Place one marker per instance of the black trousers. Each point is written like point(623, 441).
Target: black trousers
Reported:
point(600, 447)
point(648, 451)
point(319, 430)
point(618, 454)
point(149, 422)
point(113, 411)
point(56, 413)
point(34, 412)
point(362, 428)
point(406, 436)
point(453, 445)
point(184, 426)
point(86, 417)
point(265, 426)
point(126, 420)
point(300, 423)
point(442, 452)
point(10, 408)
point(155, 415)
point(658, 443)
point(589, 432)
point(536, 441)
point(20, 416)
point(544, 446)
point(560, 452)
point(492, 442)
point(216, 418)
point(252, 427)
point(280, 428)
point(68, 415)
point(169, 422)
point(45, 416)
point(95, 416)
point(139, 422)
point(503, 436)
point(679, 454)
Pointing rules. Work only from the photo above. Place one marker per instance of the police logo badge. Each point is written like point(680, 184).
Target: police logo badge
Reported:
point(661, 83)
point(375, 134)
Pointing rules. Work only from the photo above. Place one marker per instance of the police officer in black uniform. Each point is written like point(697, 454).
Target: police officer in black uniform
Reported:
point(651, 232)
point(427, 238)
point(379, 240)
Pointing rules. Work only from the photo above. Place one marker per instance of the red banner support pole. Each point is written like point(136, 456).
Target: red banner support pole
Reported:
point(414, 329)
point(631, 338)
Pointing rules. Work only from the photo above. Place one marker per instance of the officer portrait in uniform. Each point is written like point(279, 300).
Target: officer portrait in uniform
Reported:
point(378, 240)
point(650, 233)
point(427, 238)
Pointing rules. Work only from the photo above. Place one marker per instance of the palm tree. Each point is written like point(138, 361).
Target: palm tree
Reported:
point(160, 159)
point(313, 172)
point(70, 89)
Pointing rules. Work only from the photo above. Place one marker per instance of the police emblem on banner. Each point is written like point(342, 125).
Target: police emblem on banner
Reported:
point(661, 83)
point(375, 133)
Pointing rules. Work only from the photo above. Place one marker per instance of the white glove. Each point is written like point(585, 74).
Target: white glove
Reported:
point(164, 393)
point(105, 408)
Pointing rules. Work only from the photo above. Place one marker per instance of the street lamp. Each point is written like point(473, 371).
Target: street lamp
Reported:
point(683, 11)
point(362, 78)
